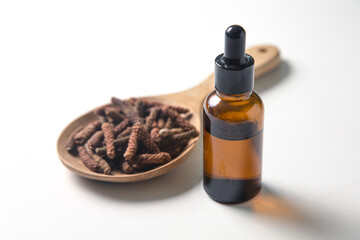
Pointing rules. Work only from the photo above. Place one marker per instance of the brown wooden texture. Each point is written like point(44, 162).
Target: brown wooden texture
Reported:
point(266, 58)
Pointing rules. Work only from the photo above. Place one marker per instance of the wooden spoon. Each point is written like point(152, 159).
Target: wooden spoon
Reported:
point(266, 58)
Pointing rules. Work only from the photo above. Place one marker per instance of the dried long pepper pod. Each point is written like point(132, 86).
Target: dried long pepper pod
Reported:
point(119, 142)
point(166, 132)
point(100, 111)
point(71, 143)
point(120, 151)
point(118, 102)
point(121, 126)
point(103, 166)
point(82, 136)
point(126, 167)
point(133, 142)
point(109, 139)
point(145, 138)
point(178, 109)
point(188, 116)
point(95, 140)
point(97, 165)
point(154, 134)
point(169, 142)
point(150, 103)
point(127, 109)
point(185, 136)
point(132, 101)
point(101, 151)
point(168, 123)
point(139, 134)
point(87, 160)
point(139, 107)
point(176, 118)
point(151, 118)
point(114, 115)
point(143, 161)
point(102, 119)
point(125, 133)
point(174, 151)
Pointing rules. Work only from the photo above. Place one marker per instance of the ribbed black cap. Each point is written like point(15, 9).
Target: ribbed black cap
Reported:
point(234, 69)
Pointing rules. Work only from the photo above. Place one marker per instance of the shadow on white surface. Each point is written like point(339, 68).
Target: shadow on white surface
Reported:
point(272, 204)
point(275, 77)
point(310, 218)
point(176, 182)
point(281, 209)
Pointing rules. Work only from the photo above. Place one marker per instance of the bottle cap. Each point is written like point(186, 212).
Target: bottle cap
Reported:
point(234, 69)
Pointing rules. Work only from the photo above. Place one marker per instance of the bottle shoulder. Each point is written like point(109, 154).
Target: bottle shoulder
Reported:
point(234, 110)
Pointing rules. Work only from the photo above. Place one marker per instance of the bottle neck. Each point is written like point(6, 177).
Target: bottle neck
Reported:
point(234, 97)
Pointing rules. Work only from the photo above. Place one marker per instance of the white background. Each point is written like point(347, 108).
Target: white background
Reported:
point(59, 59)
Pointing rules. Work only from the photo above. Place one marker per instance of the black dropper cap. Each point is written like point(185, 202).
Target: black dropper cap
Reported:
point(234, 69)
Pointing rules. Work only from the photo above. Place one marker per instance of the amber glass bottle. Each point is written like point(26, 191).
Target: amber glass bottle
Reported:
point(233, 119)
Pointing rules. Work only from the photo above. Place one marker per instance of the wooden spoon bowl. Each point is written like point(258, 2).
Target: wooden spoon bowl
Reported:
point(266, 59)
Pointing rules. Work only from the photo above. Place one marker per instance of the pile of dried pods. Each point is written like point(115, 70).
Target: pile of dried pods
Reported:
point(132, 135)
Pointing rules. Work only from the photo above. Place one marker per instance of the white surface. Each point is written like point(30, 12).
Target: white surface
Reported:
point(59, 59)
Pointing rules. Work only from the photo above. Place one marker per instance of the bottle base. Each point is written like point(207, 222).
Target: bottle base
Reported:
point(232, 191)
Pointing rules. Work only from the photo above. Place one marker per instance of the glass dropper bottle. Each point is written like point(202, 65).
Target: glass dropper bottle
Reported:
point(233, 120)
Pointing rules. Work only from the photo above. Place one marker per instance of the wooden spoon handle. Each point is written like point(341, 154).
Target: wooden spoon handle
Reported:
point(266, 58)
